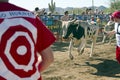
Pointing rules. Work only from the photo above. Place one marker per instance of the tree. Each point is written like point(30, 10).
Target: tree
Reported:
point(115, 5)
point(52, 6)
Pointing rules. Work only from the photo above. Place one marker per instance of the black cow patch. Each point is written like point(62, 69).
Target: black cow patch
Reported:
point(76, 30)
point(91, 31)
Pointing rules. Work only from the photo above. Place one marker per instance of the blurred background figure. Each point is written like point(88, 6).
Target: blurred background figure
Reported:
point(39, 12)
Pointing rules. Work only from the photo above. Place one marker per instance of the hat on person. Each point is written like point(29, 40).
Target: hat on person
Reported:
point(116, 14)
point(66, 12)
point(36, 9)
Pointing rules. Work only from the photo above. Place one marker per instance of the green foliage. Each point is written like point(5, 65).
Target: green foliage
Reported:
point(115, 5)
point(77, 11)
point(107, 11)
point(52, 6)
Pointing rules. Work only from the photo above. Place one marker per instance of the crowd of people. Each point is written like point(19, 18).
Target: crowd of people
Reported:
point(97, 16)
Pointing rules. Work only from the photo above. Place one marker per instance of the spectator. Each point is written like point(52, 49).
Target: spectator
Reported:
point(98, 21)
point(39, 12)
point(23, 39)
point(44, 18)
point(92, 20)
point(50, 19)
point(65, 18)
point(74, 16)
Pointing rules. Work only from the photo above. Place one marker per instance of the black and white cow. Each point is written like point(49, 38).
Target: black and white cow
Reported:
point(108, 27)
point(84, 31)
point(65, 25)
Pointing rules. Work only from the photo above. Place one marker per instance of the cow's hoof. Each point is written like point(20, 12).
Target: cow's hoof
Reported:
point(90, 56)
point(78, 51)
point(103, 42)
point(109, 43)
point(81, 52)
point(71, 57)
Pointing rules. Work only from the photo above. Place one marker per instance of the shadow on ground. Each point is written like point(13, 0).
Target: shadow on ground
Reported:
point(109, 68)
point(60, 46)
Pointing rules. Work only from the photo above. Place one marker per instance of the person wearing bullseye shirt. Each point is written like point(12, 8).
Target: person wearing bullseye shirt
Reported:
point(23, 39)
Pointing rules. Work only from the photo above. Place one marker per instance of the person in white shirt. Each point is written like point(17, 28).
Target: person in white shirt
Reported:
point(116, 18)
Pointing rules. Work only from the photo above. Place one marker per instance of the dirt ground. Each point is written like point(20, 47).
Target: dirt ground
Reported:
point(102, 66)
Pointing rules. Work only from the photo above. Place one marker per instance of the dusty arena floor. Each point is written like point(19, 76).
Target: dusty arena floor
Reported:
point(102, 66)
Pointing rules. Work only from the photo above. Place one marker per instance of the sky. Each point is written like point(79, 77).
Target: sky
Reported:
point(31, 4)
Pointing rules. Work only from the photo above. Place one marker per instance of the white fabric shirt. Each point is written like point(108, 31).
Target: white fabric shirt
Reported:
point(117, 29)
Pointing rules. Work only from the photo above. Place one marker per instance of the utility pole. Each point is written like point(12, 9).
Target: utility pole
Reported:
point(93, 5)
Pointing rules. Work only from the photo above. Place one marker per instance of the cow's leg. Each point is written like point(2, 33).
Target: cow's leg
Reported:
point(81, 46)
point(104, 38)
point(92, 45)
point(110, 40)
point(70, 49)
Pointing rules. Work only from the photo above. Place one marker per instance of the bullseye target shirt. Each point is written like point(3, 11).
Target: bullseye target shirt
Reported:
point(22, 36)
